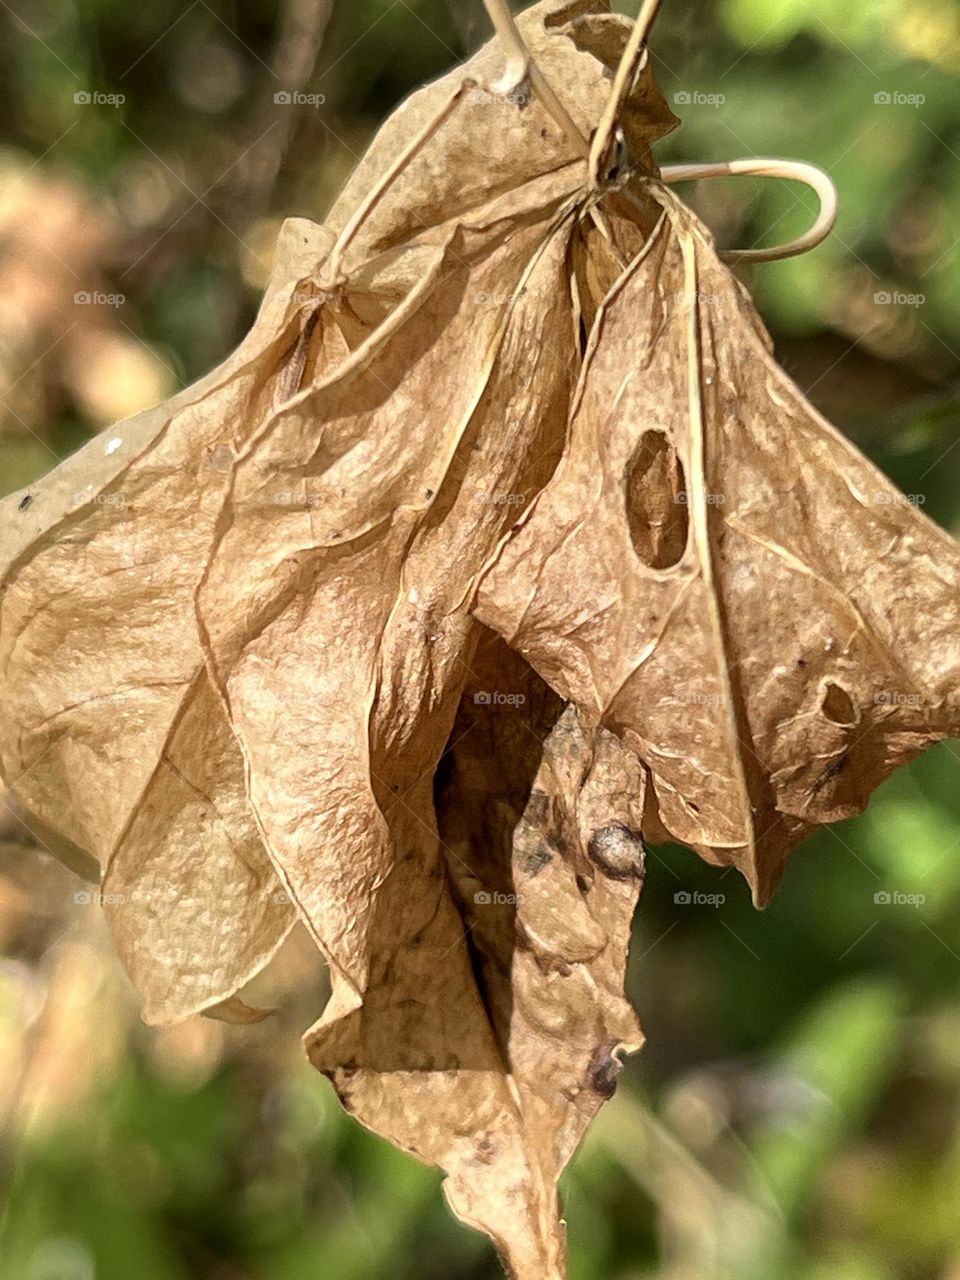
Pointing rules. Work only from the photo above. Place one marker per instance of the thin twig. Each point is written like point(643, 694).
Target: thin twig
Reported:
point(630, 61)
point(521, 66)
point(793, 171)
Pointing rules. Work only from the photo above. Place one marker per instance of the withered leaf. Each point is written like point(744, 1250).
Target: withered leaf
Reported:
point(244, 644)
point(715, 574)
point(489, 1059)
point(250, 615)
point(112, 731)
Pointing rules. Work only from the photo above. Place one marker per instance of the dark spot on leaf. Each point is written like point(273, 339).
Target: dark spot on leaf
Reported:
point(534, 862)
point(838, 766)
point(603, 1071)
point(485, 1148)
point(584, 884)
point(538, 808)
point(24, 502)
point(618, 852)
point(831, 772)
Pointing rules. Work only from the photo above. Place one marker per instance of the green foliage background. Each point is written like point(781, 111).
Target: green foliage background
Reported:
point(797, 1111)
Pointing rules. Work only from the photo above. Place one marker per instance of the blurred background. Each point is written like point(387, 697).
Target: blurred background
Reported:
point(797, 1111)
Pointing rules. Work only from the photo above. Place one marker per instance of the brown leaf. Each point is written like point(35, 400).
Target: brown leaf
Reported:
point(122, 743)
point(244, 662)
point(495, 1015)
point(757, 611)
point(315, 552)
point(112, 732)
point(336, 602)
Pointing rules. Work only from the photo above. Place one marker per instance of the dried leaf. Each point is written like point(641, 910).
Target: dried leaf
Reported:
point(490, 1059)
point(758, 612)
point(315, 553)
point(243, 658)
point(112, 732)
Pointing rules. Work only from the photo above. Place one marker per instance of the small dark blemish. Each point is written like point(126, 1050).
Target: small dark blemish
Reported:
point(801, 663)
point(24, 502)
point(534, 862)
point(833, 771)
point(538, 808)
point(429, 493)
point(485, 1148)
point(603, 1071)
point(837, 767)
point(584, 884)
point(618, 852)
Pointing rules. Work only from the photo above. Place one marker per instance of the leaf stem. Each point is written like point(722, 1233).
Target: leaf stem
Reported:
point(521, 66)
point(634, 53)
point(793, 171)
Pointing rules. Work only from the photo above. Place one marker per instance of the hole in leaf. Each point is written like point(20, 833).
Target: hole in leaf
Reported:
point(657, 502)
point(838, 706)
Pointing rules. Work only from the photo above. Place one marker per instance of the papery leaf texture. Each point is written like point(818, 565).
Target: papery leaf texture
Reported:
point(500, 545)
